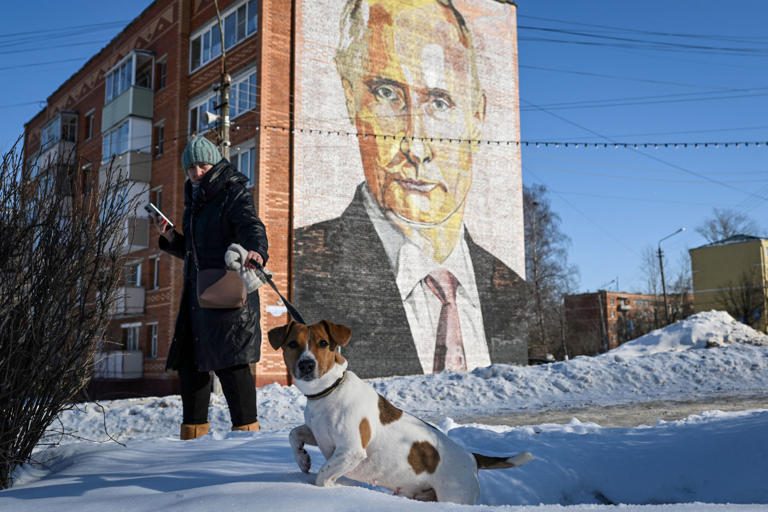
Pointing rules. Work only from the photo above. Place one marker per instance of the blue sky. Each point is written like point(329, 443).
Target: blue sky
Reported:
point(590, 71)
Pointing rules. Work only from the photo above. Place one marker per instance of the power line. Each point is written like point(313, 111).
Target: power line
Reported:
point(659, 160)
point(650, 43)
point(649, 32)
point(45, 63)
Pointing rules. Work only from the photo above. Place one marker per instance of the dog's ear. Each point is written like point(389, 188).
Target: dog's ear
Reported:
point(340, 334)
point(278, 335)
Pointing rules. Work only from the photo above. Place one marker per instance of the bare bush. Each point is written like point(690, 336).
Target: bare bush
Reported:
point(60, 260)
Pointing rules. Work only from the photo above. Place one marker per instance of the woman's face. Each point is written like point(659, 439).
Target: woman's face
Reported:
point(197, 171)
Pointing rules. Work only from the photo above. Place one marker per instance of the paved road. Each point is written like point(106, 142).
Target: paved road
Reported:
point(631, 415)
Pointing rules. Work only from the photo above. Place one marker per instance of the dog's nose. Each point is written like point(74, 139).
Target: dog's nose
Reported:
point(306, 366)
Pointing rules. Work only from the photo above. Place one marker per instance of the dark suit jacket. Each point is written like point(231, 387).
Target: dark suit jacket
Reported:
point(342, 274)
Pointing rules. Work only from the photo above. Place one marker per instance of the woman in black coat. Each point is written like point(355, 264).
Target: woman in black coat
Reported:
point(219, 208)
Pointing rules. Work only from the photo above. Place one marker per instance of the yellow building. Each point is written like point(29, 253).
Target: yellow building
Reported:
point(732, 275)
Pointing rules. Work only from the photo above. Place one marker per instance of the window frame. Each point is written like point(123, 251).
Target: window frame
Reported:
point(162, 72)
point(250, 148)
point(158, 142)
point(89, 122)
point(153, 339)
point(207, 32)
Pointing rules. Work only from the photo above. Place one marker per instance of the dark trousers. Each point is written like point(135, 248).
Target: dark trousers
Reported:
point(239, 390)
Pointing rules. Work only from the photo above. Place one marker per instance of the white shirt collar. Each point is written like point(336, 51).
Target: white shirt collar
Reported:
point(410, 264)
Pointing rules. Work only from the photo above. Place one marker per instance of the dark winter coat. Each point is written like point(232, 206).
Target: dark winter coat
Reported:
point(222, 214)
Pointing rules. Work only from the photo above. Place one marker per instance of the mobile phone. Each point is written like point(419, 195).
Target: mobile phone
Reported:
point(155, 212)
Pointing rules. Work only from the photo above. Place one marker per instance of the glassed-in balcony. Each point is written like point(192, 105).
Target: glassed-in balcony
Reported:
point(129, 301)
point(129, 89)
point(119, 364)
point(133, 166)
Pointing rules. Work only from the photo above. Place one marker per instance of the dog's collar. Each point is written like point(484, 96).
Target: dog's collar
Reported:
point(330, 389)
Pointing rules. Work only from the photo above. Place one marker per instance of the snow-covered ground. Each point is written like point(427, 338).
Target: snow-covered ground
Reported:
point(709, 462)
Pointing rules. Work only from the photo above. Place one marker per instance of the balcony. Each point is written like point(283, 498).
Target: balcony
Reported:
point(118, 365)
point(129, 301)
point(132, 165)
point(135, 101)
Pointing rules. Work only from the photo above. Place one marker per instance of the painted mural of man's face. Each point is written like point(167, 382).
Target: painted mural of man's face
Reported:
point(418, 83)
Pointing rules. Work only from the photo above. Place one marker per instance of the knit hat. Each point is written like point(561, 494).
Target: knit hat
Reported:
point(199, 150)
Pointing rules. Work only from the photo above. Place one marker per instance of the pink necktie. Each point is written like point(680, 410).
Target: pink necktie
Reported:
point(449, 347)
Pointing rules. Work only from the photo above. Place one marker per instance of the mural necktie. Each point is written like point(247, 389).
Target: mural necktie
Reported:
point(449, 347)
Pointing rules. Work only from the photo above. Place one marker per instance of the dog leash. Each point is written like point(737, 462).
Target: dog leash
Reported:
point(267, 277)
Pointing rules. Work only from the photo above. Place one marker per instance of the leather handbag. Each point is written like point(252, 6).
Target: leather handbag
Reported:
point(218, 288)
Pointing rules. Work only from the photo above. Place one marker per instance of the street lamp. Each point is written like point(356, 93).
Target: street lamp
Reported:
point(661, 267)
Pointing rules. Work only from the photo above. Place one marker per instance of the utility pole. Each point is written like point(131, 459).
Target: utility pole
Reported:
point(225, 83)
point(661, 268)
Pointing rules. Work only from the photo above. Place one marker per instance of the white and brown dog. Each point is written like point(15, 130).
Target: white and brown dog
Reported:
point(362, 435)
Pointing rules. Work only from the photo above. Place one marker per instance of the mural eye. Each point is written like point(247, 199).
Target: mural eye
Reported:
point(441, 104)
point(385, 92)
point(322, 343)
point(293, 344)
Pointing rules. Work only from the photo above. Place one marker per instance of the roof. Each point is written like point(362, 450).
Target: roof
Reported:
point(735, 239)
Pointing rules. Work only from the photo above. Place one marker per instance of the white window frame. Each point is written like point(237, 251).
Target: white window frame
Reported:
point(248, 79)
point(206, 33)
point(132, 342)
point(107, 150)
point(200, 106)
point(162, 61)
point(153, 337)
point(137, 281)
point(124, 80)
point(155, 260)
point(235, 158)
point(92, 125)
point(211, 99)
point(157, 148)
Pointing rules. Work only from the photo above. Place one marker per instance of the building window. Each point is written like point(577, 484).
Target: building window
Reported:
point(156, 196)
point(89, 126)
point(242, 96)
point(152, 341)
point(87, 177)
point(159, 137)
point(154, 268)
point(242, 99)
point(162, 73)
point(131, 338)
point(197, 119)
point(132, 274)
point(49, 134)
point(119, 79)
point(115, 141)
point(245, 161)
point(240, 21)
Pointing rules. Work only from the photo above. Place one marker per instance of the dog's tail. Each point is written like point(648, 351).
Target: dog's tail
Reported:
point(486, 462)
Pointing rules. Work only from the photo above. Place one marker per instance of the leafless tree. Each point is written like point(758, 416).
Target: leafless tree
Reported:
point(60, 260)
point(649, 266)
point(725, 223)
point(744, 299)
point(548, 271)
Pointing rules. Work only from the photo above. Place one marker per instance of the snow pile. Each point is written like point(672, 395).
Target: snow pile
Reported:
point(697, 331)
point(717, 458)
point(499, 389)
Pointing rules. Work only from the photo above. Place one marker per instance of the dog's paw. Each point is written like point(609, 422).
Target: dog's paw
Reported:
point(322, 481)
point(303, 460)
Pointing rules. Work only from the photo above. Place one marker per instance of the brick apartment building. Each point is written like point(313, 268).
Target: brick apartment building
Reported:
point(600, 321)
point(139, 99)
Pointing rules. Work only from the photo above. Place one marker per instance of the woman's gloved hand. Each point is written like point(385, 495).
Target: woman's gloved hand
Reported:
point(236, 258)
